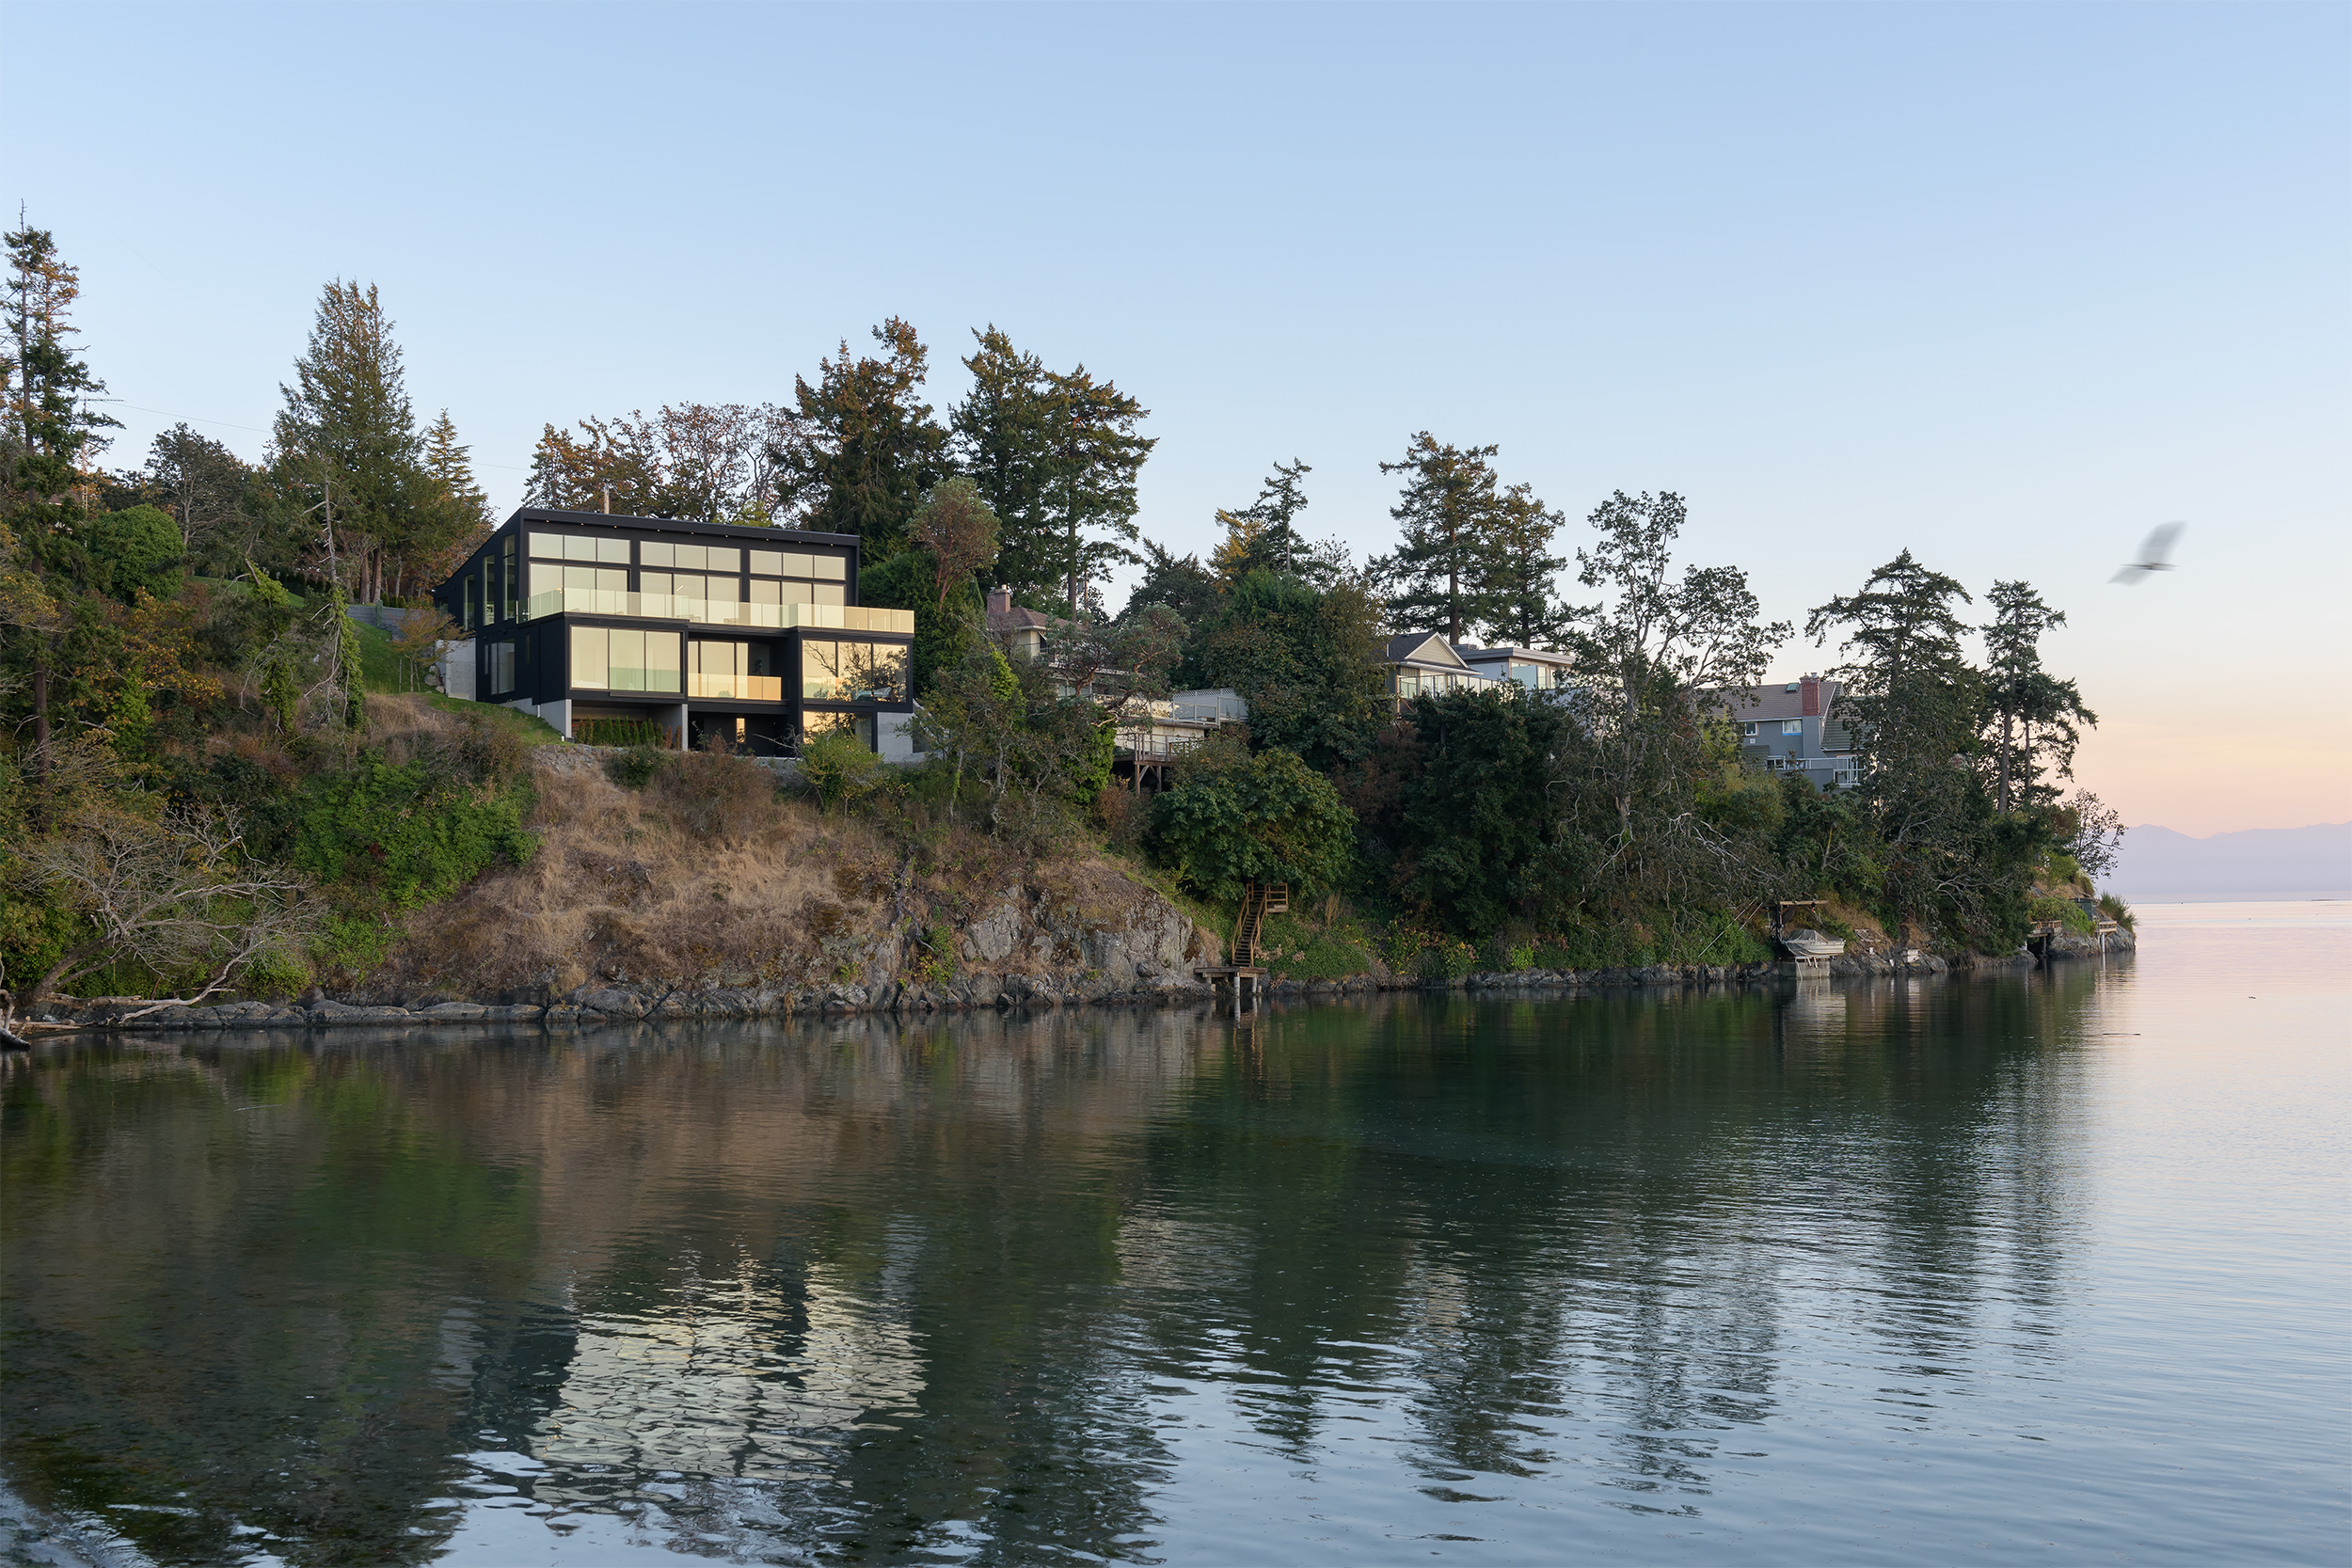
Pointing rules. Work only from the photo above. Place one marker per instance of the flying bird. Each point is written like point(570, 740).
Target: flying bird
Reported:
point(2153, 555)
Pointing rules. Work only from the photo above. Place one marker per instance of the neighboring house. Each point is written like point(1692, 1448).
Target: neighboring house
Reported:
point(1151, 732)
point(1422, 664)
point(1021, 633)
point(720, 635)
point(1537, 669)
point(1795, 728)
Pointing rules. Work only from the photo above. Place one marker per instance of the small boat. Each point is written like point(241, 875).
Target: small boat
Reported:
point(1809, 943)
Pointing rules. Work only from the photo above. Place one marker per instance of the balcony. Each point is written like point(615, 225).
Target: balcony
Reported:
point(717, 612)
point(748, 688)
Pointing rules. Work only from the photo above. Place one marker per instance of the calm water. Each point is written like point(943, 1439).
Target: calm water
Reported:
point(2037, 1269)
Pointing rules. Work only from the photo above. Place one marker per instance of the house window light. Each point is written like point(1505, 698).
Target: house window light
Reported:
point(834, 672)
point(1792, 726)
point(617, 658)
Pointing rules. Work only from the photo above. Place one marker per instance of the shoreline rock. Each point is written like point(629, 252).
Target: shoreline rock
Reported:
point(591, 1006)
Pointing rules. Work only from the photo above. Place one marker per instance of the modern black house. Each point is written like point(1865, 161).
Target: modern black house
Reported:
point(724, 636)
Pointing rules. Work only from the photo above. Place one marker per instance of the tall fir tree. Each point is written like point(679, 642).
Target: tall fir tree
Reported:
point(2031, 710)
point(1445, 515)
point(48, 389)
point(1266, 533)
point(348, 435)
point(1516, 599)
point(451, 461)
point(863, 448)
point(1911, 702)
point(1001, 443)
point(1056, 455)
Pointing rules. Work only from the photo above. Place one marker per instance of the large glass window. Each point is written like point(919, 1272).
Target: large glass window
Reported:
point(509, 580)
point(619, 658)
point(841, 672)
point(717, 668)
point(691, 585)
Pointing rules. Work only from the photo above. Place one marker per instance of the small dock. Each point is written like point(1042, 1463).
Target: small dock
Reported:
point(1247, 983)
point(1245, 974)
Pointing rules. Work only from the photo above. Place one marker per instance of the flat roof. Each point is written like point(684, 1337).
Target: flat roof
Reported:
point(673, 525)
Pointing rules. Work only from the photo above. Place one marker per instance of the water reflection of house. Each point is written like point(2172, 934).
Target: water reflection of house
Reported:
point(725, 1382)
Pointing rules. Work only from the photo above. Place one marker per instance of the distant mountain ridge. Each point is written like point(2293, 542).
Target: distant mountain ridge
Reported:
point(2157, 862)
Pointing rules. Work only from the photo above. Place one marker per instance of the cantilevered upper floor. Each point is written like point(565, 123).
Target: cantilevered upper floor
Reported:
point(542, 562)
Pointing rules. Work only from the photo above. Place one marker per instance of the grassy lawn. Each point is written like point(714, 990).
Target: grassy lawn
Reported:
point(379, 667)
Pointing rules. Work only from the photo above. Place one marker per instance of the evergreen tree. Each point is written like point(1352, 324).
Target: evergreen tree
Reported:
point(1912, 700)
point(1305, 660)
point(1446, 514)
point(1098, 457)
point(47, 389)
point(52, 434)
point(1001, 435)
point(2031, 710)
point(451, 461)
point(862, 446)
point(1515, 599)
point(1264, 534)
point(1056, 455)
point(348, 435)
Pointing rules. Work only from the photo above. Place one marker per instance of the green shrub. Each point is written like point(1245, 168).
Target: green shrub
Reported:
point(1432, 954)
point(380, 839)
point(135, 550)
point(619, 732)
point(837, 768)
point(1296, 951)
point(635, 767)
point(1234, 818)
point(2068, 913)
point(2117, 911)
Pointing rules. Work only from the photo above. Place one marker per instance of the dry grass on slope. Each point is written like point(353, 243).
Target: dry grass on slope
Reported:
point(703, 875)
point(708, 877)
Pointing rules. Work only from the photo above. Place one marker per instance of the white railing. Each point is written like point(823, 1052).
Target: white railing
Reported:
point(717, 612)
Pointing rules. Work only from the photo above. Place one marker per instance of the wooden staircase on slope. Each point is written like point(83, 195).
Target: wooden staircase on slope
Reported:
point(1258, 900)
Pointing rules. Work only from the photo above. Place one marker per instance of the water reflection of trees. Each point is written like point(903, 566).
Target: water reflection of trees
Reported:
point(891, 1290)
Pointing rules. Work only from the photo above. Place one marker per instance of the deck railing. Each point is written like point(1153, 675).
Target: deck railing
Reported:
point(718, 612)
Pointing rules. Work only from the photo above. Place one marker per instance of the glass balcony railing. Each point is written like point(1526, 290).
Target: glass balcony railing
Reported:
point(749, 688)
point(717, 612)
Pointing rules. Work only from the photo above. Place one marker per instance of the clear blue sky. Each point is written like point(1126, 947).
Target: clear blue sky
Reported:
point(2006, 284)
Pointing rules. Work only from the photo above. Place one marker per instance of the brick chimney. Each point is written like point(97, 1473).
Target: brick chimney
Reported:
point(1809, 703)
point(1000, 601)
